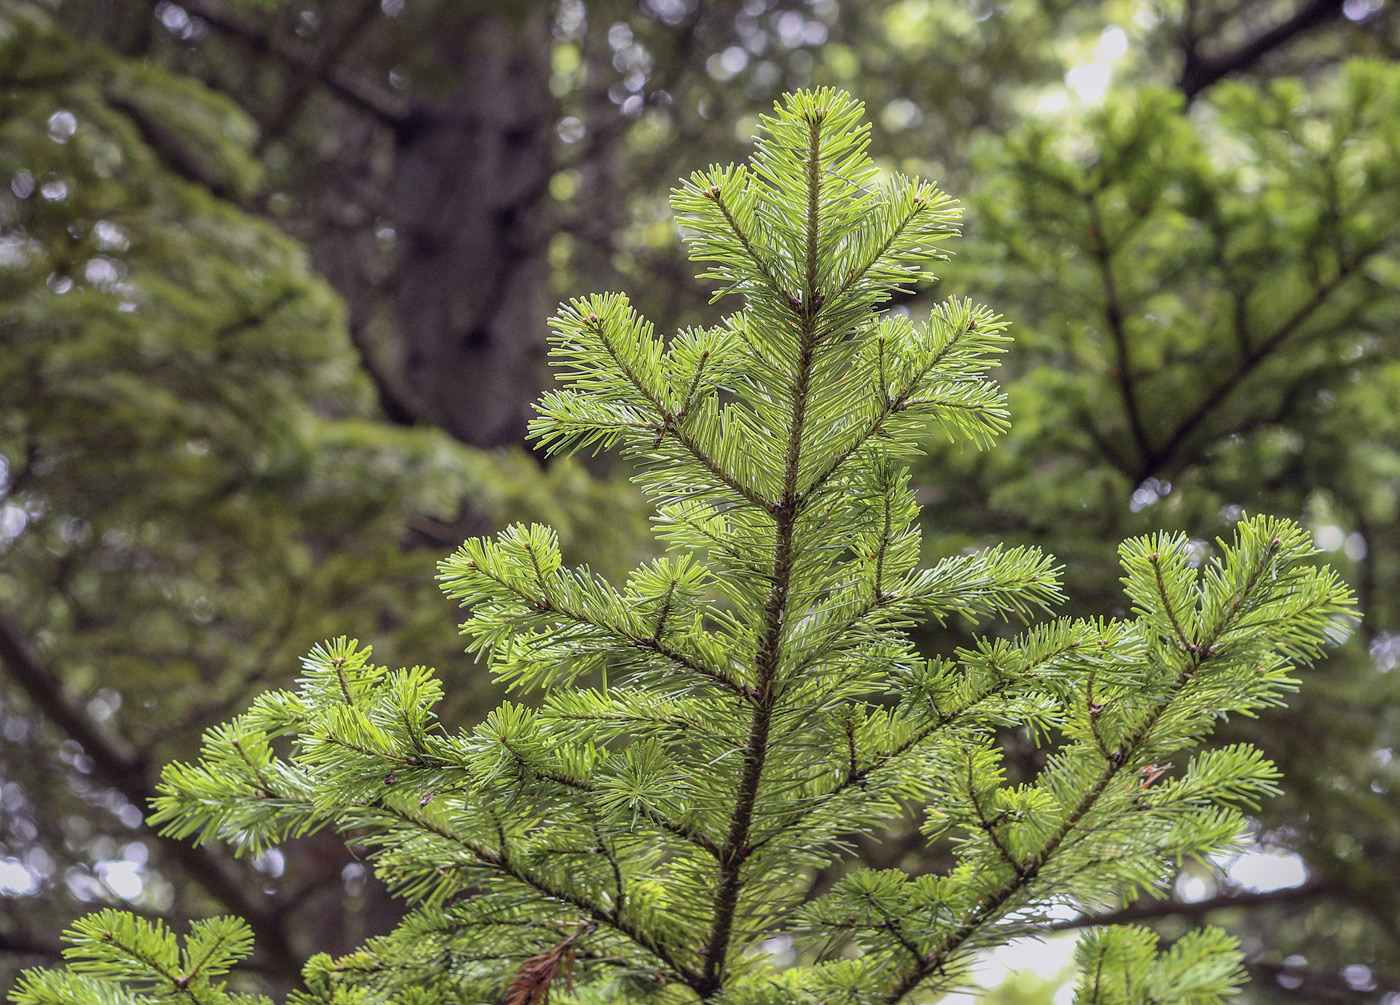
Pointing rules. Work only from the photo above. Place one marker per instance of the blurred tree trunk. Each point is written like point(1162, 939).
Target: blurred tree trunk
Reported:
point(470, 289)
point(450, 325)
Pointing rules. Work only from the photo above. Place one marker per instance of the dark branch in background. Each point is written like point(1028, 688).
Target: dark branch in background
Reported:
point(173, 151)
point(323, 63)
point(298, 56)
point(1151, 910)
point(1117, 328)
point(1316, 986)
point(125, 768)
point(307, 67)
point(1167, 453)
point(1199, 73)
point(21, 944)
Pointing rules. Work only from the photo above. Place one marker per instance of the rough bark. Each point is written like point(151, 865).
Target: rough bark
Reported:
point(470, 291)
point(450, 322)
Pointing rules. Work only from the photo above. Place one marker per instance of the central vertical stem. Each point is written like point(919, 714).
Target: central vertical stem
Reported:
point(768, 657)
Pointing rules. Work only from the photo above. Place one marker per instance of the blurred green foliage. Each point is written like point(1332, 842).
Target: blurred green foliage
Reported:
point(202, 486)
point(1207, 308)
point(192, 487)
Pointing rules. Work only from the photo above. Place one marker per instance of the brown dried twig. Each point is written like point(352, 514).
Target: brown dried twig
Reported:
point(537, 974)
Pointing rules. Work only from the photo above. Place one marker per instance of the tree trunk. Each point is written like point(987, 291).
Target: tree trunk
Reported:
point(470, 291)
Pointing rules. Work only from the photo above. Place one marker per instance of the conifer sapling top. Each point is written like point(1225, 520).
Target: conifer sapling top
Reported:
point(701, 738)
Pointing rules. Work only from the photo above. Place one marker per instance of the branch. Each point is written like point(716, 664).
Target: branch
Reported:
point(763, 267)
point(1113, 315)
point(502, 861)
point(302, 58)
point(884, 760)
point(1149, 910)
point(997, 901)
point(1197, 74)
point(1227, 387)
point(123, 766)
point(986, 825)
point(769, 654)
point(673, 827)
point(990, 909)
point(547, 605)
point(19, 944)
point(859, 273)
point(671, 423)
point(892, 406)
point(299, 89)
point(1167, 605)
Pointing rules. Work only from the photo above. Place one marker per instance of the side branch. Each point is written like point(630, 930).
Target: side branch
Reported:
point(1222, 391)
point(763, 267)
point(546, 605)
point(501, 860)
point(991, 909)
point(1167, 603)
point(670, 422)
point(892, 406)
point(987, 825)
point(858, 273)
point(672, 827)
point(860, 776)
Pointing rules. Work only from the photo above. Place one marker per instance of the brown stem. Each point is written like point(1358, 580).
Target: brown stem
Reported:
point(736, 848)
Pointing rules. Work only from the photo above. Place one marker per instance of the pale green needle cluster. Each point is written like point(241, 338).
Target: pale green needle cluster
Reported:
point(703, 736)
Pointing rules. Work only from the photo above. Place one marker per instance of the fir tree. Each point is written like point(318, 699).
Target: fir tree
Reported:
point(707, 734)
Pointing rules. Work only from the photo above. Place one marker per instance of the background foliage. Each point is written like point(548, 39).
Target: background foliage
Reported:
point(273, 275)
